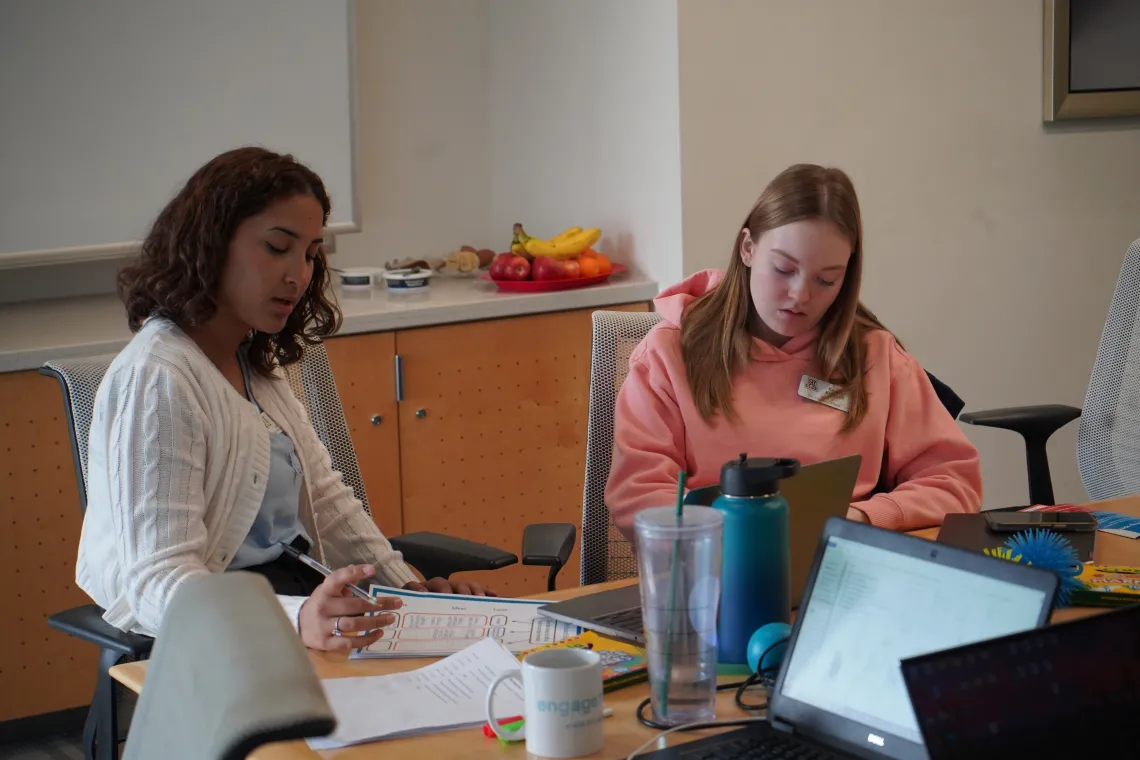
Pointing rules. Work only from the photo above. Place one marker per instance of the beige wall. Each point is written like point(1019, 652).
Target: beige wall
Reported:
point(993, 242)
point(474, 114)
point(423, 150)
point(585, 127)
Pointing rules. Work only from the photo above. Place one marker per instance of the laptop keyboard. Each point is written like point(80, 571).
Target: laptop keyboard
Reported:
point(622, 620)
point(748, 745)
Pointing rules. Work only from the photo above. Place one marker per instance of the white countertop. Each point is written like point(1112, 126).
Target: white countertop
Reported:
point(32, 333)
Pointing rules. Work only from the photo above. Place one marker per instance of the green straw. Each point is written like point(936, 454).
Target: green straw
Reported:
point(664, 688)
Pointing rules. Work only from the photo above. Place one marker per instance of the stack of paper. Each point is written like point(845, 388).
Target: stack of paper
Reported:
point(436, 625)
point(446, 695)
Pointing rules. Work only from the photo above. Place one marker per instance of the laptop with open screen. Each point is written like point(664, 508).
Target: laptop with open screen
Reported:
point(1061, 691)
point(875, 597)
point(818, 491)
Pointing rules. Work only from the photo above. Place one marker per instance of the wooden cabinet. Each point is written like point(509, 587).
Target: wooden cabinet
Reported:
point(491, 431)
point(41, 670)
point(362, 366)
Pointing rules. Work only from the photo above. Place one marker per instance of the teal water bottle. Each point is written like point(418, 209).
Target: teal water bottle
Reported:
point(755, 566)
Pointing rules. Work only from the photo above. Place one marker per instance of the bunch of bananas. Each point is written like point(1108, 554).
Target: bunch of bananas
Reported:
point(565, 245)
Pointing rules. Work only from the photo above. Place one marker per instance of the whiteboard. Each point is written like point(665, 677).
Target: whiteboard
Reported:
point(107, 107)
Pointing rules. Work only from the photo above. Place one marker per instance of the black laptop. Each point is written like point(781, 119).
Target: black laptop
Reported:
point(874, 598)
point(1061, 691)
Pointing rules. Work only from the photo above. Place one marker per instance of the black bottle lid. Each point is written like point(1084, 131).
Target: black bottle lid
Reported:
point(758, 476)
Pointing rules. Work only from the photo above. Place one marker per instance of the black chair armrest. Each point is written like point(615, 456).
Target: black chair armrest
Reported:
point(1035, 424)
point(1029, 421)
point(548, 545)
point(87, 624)
point(438, 556)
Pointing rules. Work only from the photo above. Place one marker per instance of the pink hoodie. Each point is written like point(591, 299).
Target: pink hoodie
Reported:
point(907, 439)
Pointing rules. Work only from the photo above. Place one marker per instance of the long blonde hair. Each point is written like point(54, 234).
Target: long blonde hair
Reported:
point(715, 339)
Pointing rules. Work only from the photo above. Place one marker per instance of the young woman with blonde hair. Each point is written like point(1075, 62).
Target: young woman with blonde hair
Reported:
point(723, 372)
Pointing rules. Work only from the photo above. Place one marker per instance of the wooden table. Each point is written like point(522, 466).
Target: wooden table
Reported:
point(623, 732)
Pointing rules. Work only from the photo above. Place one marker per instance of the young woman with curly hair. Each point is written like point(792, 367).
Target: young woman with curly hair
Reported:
point(201, 460)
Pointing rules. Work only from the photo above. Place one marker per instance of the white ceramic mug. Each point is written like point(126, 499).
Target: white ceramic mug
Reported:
point(562, 698)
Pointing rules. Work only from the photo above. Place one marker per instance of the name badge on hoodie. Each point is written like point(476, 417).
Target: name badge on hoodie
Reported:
point(823, 392)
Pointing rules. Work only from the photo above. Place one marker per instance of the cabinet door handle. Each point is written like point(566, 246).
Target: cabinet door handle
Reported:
point(377, 419)
point(421, 413)
point(399, 362)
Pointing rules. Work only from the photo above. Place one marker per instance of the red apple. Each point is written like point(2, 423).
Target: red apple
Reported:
point(572, 268)
point(499, 266)
point(546, 268)
point(518, 268)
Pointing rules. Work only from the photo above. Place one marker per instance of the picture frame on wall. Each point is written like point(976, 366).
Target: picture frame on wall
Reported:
point(1091, 59)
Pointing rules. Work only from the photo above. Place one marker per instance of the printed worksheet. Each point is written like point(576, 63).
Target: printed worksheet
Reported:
point(447, 695)
point(437, 625)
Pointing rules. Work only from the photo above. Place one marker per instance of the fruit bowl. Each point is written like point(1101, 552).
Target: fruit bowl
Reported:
point(549, 286)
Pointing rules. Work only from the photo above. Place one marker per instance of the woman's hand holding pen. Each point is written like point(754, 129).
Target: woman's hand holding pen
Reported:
point(333, 619)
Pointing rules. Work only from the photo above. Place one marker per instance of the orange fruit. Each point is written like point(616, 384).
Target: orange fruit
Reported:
point(589, 253)
point(589, 266)
point(604, 265)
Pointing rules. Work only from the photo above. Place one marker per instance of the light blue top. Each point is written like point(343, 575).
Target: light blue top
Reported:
point(278, 519)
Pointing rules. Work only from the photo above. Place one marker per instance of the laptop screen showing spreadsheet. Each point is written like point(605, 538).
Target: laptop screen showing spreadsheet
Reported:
point(875, 598)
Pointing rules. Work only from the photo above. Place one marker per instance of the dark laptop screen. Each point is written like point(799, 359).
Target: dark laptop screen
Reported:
point(1042, 693)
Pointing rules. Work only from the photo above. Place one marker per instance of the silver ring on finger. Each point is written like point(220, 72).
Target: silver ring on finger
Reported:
point(336, 628)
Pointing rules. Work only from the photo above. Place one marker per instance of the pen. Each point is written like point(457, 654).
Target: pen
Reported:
point(306, 559)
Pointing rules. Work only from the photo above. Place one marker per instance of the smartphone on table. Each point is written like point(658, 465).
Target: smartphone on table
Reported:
point(1011, 522)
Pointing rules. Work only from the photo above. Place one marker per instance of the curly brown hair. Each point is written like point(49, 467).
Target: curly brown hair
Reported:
point(178, 268)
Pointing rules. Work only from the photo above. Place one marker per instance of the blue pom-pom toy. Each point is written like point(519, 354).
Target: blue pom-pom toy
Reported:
point(1045, 549)
point(765, 638)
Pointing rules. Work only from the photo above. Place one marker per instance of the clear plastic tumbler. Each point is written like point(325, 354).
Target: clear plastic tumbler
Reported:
point(678, 562)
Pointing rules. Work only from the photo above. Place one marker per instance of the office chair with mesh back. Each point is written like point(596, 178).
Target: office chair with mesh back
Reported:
point(79, 379)
point(433, 554)
point(606, 555)
point(1108, 439)
point(225, 637)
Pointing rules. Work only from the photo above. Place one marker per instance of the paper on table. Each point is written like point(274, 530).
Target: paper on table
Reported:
point(444, 696)
point(436, 625)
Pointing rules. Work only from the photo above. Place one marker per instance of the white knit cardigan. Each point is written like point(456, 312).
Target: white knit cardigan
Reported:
point(178, 461)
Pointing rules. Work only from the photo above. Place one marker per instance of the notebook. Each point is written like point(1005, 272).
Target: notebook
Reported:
point(875, 597)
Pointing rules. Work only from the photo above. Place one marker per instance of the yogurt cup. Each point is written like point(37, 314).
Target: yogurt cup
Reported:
point(407, 280)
